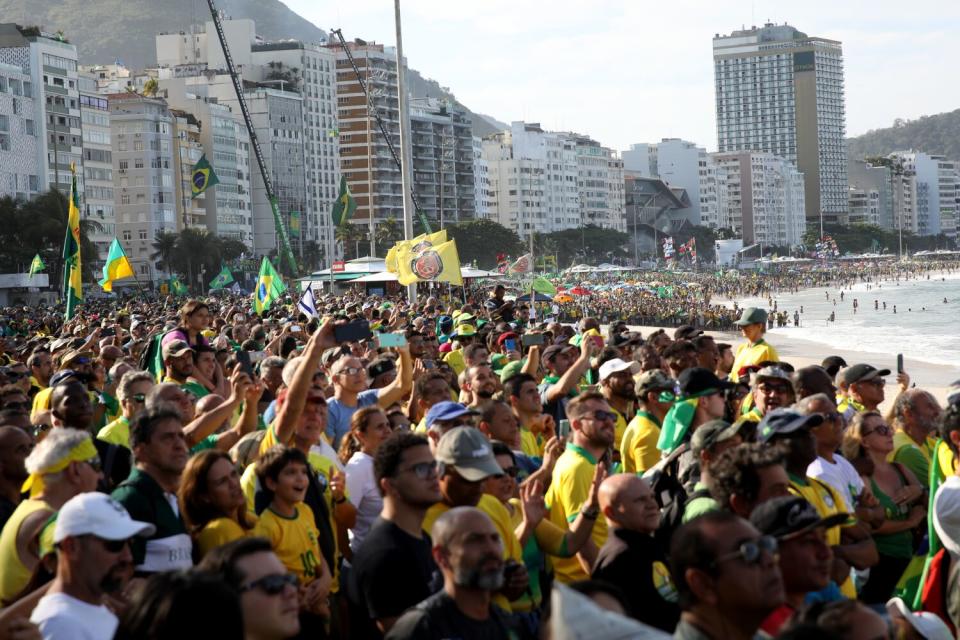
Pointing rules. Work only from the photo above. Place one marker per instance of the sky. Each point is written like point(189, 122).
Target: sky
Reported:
point(628, 71)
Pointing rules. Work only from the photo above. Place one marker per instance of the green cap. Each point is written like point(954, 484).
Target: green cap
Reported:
point(752, 315)
point(712, 433)
point(510, 369)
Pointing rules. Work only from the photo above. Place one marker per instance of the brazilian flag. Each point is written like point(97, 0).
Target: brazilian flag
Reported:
point(177, 288)
point(203, 177)
point(223, 278)
point(345, 205)
point(269, 287)
point(37, 265)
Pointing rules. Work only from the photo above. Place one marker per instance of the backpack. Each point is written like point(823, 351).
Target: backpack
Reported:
point(670, 494)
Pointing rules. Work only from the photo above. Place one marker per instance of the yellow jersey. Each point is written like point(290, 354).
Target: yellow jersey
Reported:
point(116, 432)
point(755, 353)
point(219, 532)
point(638, 447)
point(531, 444)
point(828, 502)
point(295, 540)
point(15, 574)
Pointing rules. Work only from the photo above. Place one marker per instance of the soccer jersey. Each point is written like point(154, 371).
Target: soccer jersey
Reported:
point(751, 354)
point(116, 432)
point(638, 447)
point(828, 502)
point(294, 540)
point(219, 532)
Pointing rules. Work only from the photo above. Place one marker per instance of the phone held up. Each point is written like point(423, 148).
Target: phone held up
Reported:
point(356, 331)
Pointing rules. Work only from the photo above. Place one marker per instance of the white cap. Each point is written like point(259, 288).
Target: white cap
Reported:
point(946, 514)
point(100, 515)
point(928, 625)
point(617, 365)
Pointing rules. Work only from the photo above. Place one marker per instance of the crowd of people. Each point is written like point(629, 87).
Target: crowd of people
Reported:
point(187, 468)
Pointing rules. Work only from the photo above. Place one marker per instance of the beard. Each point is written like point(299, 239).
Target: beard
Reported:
point(476, 578)
point(117, 577)
point(486, 394)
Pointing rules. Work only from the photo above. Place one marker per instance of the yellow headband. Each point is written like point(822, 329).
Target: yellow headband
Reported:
point(83, 451)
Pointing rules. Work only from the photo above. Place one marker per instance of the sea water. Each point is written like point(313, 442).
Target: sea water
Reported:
point(925, 326)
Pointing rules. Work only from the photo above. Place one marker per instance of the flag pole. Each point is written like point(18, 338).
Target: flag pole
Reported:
point(406, 152)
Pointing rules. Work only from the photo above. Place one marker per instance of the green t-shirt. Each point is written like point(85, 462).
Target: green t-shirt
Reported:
point(699, 505)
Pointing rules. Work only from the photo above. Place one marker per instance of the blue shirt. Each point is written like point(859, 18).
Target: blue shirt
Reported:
point(339, 415)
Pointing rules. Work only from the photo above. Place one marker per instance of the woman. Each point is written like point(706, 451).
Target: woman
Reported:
point(368, 428)
point(212, 502)
point(900, 495)
point(194, 320)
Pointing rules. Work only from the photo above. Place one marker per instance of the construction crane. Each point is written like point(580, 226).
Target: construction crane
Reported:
point(285, 249)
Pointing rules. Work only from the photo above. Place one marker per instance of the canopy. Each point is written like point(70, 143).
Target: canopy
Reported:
point(540, 298)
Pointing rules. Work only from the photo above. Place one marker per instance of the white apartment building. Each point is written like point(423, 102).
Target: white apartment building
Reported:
point(764, 198)
point(599, 184)
point(920, 199)
point(864, 206)
point(483, 196)
point(98, 198)
point(948, 173)
point(782, 92)
point(22, 151)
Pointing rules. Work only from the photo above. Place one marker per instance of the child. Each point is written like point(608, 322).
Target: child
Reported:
point(289, 526)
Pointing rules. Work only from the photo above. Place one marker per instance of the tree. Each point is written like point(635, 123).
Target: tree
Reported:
point(350, 235)
point(150, 87)
point(165, 250)
point(387, 233)
point(481, 240)
point(590, 244)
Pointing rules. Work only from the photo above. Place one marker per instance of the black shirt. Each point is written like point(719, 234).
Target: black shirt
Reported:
point(438, 618)
point(393, 571)
point(636, 563)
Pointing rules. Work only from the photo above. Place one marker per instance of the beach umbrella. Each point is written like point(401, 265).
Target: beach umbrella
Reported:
point(562, 298)
point(580, 291)
point(540, 298)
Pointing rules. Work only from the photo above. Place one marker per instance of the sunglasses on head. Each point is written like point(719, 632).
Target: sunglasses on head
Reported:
point(750, 551)
point(272, 584)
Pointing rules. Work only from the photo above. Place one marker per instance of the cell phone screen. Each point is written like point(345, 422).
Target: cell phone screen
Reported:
point(510, 344)
point(532, 339)
point(243, 357)
point(355, 331)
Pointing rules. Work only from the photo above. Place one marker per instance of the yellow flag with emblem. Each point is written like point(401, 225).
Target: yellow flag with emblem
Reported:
point(432, 263)
point(420, 242)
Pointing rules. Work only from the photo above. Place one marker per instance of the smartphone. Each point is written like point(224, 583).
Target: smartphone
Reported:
point(899, 363)
point(355, 331)
point(510, 344)
point(532, 339)
point(243, 357)
point(563, 429)
point(392, 340)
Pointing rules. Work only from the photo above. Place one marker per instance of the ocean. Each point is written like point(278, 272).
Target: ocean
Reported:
point(925, 326)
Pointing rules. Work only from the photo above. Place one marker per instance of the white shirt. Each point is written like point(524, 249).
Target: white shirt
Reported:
point(60, 616)
point(840, 475)
point(946, 514)
point(364, 494)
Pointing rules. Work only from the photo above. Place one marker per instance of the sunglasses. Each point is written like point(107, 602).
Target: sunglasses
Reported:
point(350, 371)
point(272, 584)
point(510, 471)
point(424, 470)
point(883, 430)
point(94, 464)
point(40, 429)
point(751, 551)
point(139, 397)
point(833, 416)
point(601, 416)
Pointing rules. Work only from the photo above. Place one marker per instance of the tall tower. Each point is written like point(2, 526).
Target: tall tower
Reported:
point(781, 91)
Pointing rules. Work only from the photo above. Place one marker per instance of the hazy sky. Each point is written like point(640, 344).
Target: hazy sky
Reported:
point(625, 71)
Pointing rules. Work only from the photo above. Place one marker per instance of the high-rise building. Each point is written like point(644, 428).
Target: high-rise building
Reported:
point(764, 198)
point(22, 150)
point(948, 172)
point(98, 200)
point(599, 184)
point(142, 130)
point(866, 178)
point(187, 149)
point(481, 179)
point(781, 91)
point(679, 164)
point(864, 206)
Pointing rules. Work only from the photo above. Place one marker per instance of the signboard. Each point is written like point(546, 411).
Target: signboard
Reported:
point(804, 61)
point(339, 266)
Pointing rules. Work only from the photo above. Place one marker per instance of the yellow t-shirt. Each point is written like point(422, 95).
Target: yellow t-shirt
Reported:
point(456, 361)
point(828, 502)
point(755, 353)
point(501, 520)
point(619, 429)
point(15, 576)
point(219, 532)
point(569, 489)
point(116, 432)
point(294, 540)
point(530, 444)
point(638, 447)
point(41, 403)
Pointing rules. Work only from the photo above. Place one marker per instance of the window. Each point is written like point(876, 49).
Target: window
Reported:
point(143, 234)
point(127, 236)
point(4, 123)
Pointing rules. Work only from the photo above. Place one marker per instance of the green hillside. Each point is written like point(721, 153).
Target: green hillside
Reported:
point(939, 134)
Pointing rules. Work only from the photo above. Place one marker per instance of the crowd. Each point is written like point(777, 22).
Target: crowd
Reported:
point(186, 468)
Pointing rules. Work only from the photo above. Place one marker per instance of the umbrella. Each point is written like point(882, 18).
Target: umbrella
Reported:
point(580, 291)
point(540, 298)
point(563, 297)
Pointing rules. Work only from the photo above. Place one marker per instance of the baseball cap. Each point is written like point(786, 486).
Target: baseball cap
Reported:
point(771, 373)
point(687, 332)
point(510, 369)
point(862, 373)
point(653, 380)
point(462, 318)
point(752, 315)
point(99, 515)
point(63, 375)
point(713, 432)
point(464, 331)
point(175, 349)
point(928, 625)
point(617, 365)
point(790, 516)
point(469, 452)
point(75, 357)
point(781, 422)
point(380, 366)
point(551, 352)
point(833, 364)
point(509, 335)
point(447, 410)
point(696, 380)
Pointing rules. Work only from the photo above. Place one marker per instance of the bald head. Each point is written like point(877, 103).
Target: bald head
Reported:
point(627, 502)
point(812, 380)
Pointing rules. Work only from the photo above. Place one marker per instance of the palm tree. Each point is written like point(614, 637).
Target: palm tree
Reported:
point(165, 250)
point(348, 234)
point(387, 233)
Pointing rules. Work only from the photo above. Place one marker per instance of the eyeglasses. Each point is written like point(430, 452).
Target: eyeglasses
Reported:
point(833, 416)
point(94, 464)
point(22, 406)
point(350, 371)
point(751, 551)
point(601, 416)
point(774, 388)
point(139, 397)
point(883, 430)
point(509, 471)
point(423, 470)
point(272, 584)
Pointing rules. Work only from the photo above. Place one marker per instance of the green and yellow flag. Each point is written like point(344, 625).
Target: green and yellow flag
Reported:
point(345, 205)
point(269, 287)
point(223, 278)
point(433, 263)
point(117, 266)
point(294, 224)
point(72, 284)
point(177, 288)
point(203, 177)
point(420, 242)
point(36, 265)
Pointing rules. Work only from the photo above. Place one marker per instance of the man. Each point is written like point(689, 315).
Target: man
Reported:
point(15, 446)
point(445, 416)
point(772, 389)
point(811, 380)
point(132, 393)
point(680, 356)
point(397, 550)
point(467, 460)
point(481, 384)
point(753, 325)
point(428, 390)
point(93, 554)
point(64, 464)
point(271, 376)
point(914, 417)
point(41, 368)
point(632, 559)
point(686, 332)
point(268, 596)
point(524, 397)
point(616, 385)
point(709, 441)
point(496, 307)
point(499, 424)
point(705, 390)
point(468, 549)
point(708, 355)
point(727, 576)
point(382, 372)
point(150, 493)
point(560, 384)
point(177, 362)
point(851, 546)
point(865, 386)
point(725, 362)
point(638, 447)
point(592, 434)
point(748, 475)
point(805, 557)
point(352, 392)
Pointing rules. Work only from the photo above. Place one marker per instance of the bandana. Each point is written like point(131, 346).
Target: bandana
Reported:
point(676, 423)
point(83, 451)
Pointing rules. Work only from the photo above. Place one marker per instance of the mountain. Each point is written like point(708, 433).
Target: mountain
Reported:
point(939, 134)
point(108, 30)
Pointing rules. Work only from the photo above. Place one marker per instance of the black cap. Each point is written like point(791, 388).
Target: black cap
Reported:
point(833, 364)
point(862, 373)
point(783, 421)
point(790, 516)
point(696, 380)
point(687, 332)
point(380, 366)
